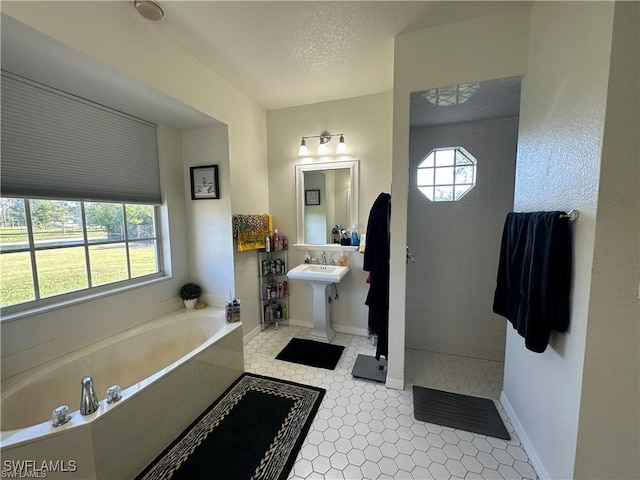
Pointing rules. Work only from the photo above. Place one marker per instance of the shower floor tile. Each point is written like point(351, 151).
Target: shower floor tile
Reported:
point(364, 430)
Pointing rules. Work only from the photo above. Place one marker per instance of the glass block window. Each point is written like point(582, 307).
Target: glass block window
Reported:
point(446, 174)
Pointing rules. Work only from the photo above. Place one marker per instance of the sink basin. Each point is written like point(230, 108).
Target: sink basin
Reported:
point(318, 273)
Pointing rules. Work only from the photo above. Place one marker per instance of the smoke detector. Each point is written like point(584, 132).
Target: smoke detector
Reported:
point(149, 9)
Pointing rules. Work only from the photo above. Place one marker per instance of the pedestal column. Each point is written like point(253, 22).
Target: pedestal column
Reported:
point(322, 330)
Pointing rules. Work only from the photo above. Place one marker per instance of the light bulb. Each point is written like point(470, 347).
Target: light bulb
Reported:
point(303, 151)
point(342, 146)
point(322, 147)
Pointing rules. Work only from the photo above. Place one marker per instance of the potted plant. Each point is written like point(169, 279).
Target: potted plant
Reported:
point(189, 293)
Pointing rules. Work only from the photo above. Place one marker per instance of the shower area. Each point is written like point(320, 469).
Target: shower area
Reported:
point(462, 159)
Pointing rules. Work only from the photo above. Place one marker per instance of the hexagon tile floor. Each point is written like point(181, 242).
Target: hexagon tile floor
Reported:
point(364, 430)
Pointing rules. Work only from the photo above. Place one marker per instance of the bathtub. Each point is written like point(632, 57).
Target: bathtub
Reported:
point(170, 369)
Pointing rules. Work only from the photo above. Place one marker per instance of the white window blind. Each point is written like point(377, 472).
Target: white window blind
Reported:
point(57, 145)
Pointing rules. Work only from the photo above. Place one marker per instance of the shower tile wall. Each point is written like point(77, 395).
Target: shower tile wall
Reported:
point(456, 244)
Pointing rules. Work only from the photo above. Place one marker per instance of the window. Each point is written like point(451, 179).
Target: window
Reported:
point(446, 174)
point(55, 247)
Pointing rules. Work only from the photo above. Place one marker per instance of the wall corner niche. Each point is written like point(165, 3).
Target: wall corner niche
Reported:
point(337, 183)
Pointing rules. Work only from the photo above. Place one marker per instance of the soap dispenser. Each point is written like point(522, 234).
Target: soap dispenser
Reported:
point(343, 260)
point(307, 257)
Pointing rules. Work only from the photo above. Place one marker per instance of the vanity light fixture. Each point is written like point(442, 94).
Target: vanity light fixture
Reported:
point(325, 138)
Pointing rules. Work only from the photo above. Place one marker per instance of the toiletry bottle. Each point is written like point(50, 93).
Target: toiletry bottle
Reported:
point(335, 233)
point(355, 240)
point(343, 260)
point(267, 244)
point(276, 243)
point(307, 257)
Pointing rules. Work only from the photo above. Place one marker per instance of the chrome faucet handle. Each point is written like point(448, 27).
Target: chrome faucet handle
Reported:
point(60, 415)
point(114, 394)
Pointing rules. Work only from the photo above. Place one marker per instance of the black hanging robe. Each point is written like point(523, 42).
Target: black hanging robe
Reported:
point(376, 262)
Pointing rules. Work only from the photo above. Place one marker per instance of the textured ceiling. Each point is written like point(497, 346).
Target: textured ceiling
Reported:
point(284, 54)
point(281, 54)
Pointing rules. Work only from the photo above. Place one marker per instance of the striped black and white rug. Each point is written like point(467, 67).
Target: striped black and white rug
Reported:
point(254, 431)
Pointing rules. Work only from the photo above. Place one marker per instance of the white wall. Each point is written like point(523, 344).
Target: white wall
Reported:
point(209, 221)
point(485, 48)
point(366, 124)
point(609, 423)
point(560, 160)
point(115, 35)
point(456, 245)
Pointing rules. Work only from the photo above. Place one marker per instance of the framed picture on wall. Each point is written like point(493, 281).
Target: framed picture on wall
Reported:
point(312, 197)
point(204, 182)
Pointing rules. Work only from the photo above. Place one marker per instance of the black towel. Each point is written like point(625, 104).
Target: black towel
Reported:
point(534, 275)
point(376, 262)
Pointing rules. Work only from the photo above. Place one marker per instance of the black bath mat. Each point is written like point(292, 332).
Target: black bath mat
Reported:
point(255, 430)
point(312, 353)
point(473, 414)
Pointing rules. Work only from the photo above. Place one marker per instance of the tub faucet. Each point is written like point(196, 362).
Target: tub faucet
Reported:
point(323, 258)
point(89, 401)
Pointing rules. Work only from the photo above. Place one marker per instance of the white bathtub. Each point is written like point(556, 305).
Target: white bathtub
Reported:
point(170, 369)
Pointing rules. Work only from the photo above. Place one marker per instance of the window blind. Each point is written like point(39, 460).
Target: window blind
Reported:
point(57, 145)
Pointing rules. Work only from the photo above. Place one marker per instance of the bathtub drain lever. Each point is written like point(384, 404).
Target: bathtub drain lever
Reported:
point(88, 401)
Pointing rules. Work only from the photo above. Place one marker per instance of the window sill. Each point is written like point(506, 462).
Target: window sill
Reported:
point(17, 313)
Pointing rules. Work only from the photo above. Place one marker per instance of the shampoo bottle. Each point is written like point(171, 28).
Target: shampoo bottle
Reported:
point(276, 241)
point(355, 240)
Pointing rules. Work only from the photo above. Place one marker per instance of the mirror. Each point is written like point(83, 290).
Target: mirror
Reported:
point(326, 195)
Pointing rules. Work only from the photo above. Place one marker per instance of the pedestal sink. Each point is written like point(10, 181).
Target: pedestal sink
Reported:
point(320, 277)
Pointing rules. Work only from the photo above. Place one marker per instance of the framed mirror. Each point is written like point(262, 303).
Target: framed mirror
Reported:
point(326, 196)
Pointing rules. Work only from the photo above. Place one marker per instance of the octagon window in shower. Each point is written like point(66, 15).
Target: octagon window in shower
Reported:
point(447, 174)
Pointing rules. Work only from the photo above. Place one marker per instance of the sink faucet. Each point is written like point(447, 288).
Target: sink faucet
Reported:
point(88, 401)
point(323, 258)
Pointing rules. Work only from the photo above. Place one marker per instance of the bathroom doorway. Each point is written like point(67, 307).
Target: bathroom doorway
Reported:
point(462, 157)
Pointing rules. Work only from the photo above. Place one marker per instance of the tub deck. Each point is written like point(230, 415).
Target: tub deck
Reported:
point(171, 380)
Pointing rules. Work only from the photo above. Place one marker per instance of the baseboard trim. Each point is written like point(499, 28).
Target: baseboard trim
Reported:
point(395, 383)
point(541, 471)
point(362, 332)
point(249, 336)
point(300, 323)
